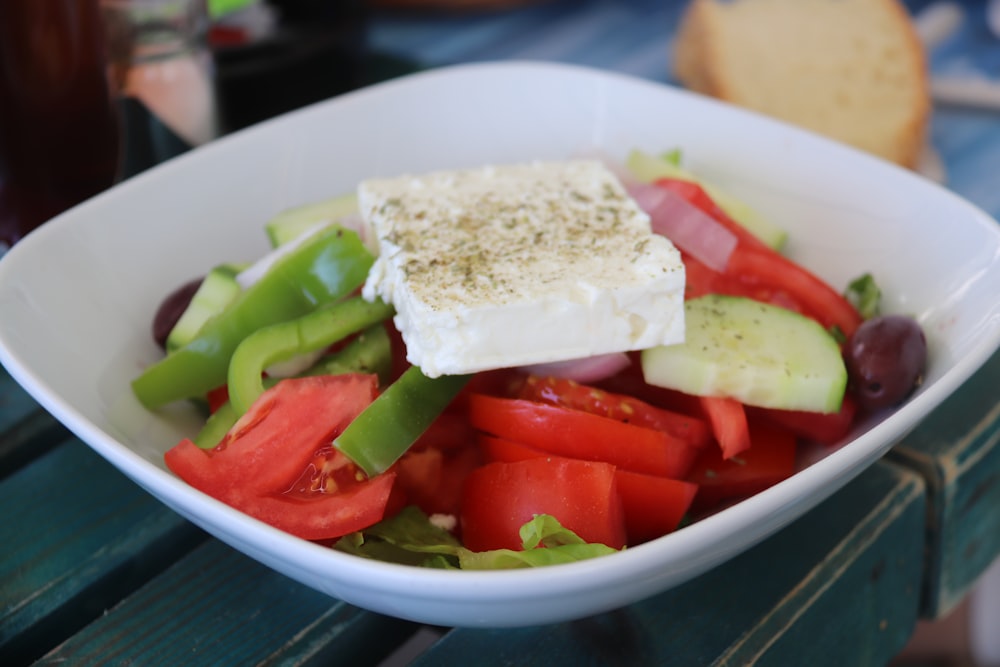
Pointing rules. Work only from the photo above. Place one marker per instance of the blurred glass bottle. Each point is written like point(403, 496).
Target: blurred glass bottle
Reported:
point(163, 73)
point(315, 50)
point(59, 136)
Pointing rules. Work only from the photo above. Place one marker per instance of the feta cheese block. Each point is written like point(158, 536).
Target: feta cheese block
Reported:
point(520, 264)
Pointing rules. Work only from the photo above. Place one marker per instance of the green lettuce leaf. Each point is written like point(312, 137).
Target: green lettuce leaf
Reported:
point(865, 295)
point(411, 539)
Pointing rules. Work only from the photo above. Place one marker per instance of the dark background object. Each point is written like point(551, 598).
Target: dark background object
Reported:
point(147, 140)
point(59, 139)
point(318, 50)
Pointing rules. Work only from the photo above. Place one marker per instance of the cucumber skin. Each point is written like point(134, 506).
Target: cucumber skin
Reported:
point(757, 353)
point(217, 291)
point(293, 222)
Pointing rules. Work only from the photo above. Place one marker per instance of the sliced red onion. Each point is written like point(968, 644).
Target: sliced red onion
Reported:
point(647, 195)
point(687, 226)
point(590, 369)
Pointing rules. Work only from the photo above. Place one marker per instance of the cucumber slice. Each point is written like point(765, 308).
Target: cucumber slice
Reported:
point(294, 222)
point(217, 291)
point(647, 168)
point(755, 352)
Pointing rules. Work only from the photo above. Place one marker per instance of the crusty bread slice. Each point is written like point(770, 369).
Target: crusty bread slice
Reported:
point(853, 70)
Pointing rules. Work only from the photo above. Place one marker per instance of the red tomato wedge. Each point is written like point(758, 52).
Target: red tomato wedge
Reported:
point(451, 430)
point(820, 301)
point(581, 435)
point(622, 407)
point(398, 350)
point(769, 461)
point(823, 428)
point(433, 478)
point(501, 449)
point(276, 463)
point(631, 382)
point(217, 398)
point(701, 280)
point(499, 498)
point(652, 506)
point(729, 424)
point(327, 516)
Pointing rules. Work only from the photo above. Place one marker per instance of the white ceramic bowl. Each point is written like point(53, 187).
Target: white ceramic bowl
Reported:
point(78, 295)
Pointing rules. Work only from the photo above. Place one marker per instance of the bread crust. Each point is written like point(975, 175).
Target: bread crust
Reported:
point(703, 62)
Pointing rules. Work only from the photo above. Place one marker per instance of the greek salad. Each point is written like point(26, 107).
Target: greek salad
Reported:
point(338, 411)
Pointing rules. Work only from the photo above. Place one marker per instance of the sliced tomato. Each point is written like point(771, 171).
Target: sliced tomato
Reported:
point(433, 478)
point(276, 463)
point(504, 382)
point(631, 382)
point(701, 280)
point(726, 417)
point(769, 461)
point(567, 393)
point(581, 435)
point(769, 268)
point(327, 517)
point(217, 398)
point(451, 430)
point(271, 445)
point(729, 424)
point(499, 498)
point(501, 449)
point(398, 350)
point(825, 429)
point(653, 506)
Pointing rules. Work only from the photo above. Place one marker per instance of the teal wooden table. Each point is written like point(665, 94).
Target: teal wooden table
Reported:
point(93, 571)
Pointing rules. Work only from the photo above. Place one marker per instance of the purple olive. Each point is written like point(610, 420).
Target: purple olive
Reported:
point(171, 309)
point(886, 358)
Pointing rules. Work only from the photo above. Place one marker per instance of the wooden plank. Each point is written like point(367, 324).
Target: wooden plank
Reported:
point(29, 439)
point(957, 450)
point(218, 607)
point(838, 587)
point(78, 536)
point(15, 403)
point(26, 431)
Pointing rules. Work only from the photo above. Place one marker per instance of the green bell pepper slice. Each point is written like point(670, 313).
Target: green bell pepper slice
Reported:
point(279, 342)
point(369, 352)
point(392, 423)
point(326, 267)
